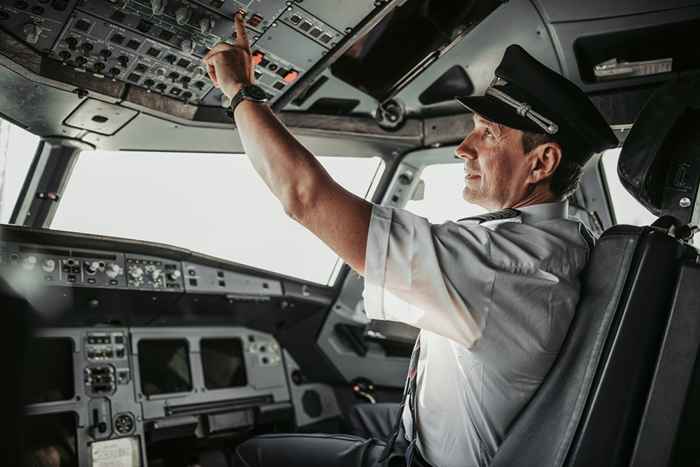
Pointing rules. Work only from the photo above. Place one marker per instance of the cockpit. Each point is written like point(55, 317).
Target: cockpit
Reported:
point(164, 308)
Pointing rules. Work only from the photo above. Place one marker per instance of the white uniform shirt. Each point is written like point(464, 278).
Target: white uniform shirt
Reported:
point(493, 301)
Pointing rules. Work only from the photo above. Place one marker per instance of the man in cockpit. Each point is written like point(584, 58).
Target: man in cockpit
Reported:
point(493, 296)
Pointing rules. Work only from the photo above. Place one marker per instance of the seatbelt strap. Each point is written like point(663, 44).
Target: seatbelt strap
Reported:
point(409, 389)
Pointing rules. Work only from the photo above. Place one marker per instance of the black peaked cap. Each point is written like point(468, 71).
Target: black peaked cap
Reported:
point(523, 79)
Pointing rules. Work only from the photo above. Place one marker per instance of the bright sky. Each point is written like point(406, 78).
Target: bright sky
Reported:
point(17, 148)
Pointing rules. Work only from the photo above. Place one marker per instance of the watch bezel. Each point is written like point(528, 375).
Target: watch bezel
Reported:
point(250, 91)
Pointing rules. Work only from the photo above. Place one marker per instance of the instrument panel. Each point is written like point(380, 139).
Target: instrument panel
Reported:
point(157, 45)
point(131, 386)
point(53, 266)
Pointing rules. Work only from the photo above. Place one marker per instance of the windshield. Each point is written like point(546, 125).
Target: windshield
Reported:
point(209, 203)
point(17, 148)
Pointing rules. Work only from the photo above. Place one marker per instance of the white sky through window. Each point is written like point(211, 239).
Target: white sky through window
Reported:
point(443, 200)
point(209, 203)
point(17, 148)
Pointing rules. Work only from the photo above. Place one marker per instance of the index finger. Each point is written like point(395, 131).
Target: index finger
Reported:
point(239, 28)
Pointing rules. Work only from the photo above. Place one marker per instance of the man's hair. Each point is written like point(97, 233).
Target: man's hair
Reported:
point(567, 176)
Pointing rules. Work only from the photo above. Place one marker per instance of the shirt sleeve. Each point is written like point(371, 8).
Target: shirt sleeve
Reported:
point(411, 271)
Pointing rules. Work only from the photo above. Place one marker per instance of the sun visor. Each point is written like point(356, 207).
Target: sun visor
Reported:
point(660, 160)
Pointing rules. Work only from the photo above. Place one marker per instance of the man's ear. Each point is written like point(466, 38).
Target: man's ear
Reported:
point(545, 160)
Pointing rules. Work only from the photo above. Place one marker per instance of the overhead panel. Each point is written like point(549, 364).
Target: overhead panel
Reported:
point(158, 45)
point(39, 22)
point(340, 14)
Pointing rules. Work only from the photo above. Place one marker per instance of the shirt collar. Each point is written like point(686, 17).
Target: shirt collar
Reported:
point(545, 211)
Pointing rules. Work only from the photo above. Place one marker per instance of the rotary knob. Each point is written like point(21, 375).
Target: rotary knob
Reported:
point(113, 270)
point(72, 43)
point(48, 265)
point(124, 424)
point(32, 32)
point(92, 267)
point(136, 273)
point(158, 6)
point(29, 262)
point(173, 276)
point(183, 15)
point(154, 272)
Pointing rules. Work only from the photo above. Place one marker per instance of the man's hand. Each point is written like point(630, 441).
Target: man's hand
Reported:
point(230, 66)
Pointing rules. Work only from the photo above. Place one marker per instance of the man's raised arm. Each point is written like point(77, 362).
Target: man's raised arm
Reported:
point(307, 192)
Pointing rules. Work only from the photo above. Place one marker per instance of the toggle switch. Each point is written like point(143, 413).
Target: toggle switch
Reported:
point(32, 32)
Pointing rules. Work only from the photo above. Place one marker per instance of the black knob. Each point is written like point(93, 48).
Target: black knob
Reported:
point(72, 43)
point(114, 71)
point(87, 47)
point(123, 60)
point(106, 53)
point(297, 377)
point(65, 55)
point(148, 83)
point(99, 66)
point(80, 61)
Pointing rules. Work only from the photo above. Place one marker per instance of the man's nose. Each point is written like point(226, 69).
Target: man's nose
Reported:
point(465, 150)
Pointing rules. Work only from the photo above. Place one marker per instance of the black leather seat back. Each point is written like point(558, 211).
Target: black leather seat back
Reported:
point(589, 406)
point(16, 321)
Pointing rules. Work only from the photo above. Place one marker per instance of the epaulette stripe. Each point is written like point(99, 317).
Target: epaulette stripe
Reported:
point(493, 216)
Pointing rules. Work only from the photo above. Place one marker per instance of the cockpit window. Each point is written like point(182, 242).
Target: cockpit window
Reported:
point(627, 209)
point(209, 203)
point(17, 148)
point(439, 198)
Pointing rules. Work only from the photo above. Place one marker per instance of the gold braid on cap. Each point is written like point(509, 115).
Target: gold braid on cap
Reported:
point(522, 108)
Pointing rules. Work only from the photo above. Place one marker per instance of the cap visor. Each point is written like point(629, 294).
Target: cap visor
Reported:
point(496, 111)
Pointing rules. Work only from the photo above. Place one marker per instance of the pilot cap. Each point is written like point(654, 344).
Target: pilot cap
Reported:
point(528, 96)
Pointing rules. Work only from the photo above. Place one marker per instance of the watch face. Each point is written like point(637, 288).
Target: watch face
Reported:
point(255, 92)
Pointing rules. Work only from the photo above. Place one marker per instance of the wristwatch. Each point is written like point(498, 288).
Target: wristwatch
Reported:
point(251, 92)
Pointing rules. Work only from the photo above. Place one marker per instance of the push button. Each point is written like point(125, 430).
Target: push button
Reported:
point(291, 76)
point(258, 57)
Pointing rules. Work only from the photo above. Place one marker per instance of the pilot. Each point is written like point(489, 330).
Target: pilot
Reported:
point(493, 296)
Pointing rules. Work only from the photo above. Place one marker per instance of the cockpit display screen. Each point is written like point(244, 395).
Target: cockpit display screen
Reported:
point(49, 371)
point(223, 363)
point(164, 366)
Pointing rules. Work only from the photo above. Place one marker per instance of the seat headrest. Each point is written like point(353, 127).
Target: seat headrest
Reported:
point(660, 160)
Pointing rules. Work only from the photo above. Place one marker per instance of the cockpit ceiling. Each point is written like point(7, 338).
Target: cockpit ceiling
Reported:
point(99, 71)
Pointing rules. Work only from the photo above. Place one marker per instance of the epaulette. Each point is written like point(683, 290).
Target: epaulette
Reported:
point(501, 215)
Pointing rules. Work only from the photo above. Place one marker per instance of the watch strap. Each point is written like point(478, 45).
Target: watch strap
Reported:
point(237, 99)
